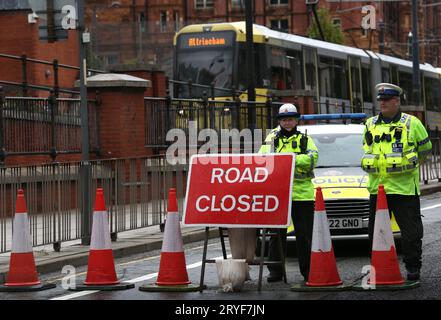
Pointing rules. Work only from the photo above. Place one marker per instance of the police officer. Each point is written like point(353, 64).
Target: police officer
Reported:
point(395, 145)
point(287, 139)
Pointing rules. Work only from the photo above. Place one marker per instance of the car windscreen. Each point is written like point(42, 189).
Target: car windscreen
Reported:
point(339, 150)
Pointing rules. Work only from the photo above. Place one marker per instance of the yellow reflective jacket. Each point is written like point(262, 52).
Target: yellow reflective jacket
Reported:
point(394, 152)
point(306, 160)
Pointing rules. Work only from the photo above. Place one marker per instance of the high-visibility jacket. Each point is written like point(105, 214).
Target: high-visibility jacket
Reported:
point(394, 152)
point(306, 160)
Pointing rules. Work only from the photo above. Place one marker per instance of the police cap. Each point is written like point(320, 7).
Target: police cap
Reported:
point(288, 110)
point(387, 91)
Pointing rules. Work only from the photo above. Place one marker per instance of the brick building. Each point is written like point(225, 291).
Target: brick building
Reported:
point(141, 31)
point(133, 31)
point(18, 36)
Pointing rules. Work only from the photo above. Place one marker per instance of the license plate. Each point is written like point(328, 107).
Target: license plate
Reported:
point(345, 223)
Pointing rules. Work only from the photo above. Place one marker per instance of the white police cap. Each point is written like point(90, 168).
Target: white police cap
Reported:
point(387, 91)
point(288, 110)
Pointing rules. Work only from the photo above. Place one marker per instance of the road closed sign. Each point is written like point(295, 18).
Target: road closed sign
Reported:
point(246, 190)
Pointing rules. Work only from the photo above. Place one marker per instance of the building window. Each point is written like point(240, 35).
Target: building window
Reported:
point(280, 25)
point(110, 60)
point(336, 22)
point(142, 21)
point(238, 3)
point(163, 21)
point(278, 2)
point(204, 4)
point(176, 20)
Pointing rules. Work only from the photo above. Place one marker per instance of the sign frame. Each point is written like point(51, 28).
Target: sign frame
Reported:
point(228, 225)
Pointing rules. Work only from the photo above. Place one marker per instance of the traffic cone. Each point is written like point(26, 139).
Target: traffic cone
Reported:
point(384, 258)
point(172, 274)
point(101, 273)
point(323, 273)
point(22, 274)
point(385, 270)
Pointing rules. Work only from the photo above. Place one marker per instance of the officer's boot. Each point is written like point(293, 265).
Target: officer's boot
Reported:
point(413, 273)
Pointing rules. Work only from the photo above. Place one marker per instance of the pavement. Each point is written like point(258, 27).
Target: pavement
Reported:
point(128, 243)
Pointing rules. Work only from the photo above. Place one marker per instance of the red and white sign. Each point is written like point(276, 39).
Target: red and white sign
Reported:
point(243, 190)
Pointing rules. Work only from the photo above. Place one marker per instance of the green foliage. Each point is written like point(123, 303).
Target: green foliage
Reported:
point(133, 62)
point(93, 61)
point(331, 32)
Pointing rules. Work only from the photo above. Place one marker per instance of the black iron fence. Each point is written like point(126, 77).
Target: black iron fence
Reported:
point(165, 114)
point(135, 190)
point(39, 126)
point(431, 169)
point(168, 119)
point(25, 87)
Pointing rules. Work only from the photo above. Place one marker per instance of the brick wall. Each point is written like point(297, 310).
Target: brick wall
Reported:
point(19, 37)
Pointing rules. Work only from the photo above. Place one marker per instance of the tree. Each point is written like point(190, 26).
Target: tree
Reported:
point(331, 32)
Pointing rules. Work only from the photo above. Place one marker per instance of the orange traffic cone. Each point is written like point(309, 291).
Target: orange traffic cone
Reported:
point(172, 274)
point(22, 274)
point(385, 270)
point(384, 258)
point(101, 273)
point(323, 273)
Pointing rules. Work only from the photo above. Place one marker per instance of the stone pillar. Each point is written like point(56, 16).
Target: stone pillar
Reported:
point(121, 114)
point(147, 72)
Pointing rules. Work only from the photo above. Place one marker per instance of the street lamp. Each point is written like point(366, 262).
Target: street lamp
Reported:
point(85, 168)
point(415, 55)
point(250, 64)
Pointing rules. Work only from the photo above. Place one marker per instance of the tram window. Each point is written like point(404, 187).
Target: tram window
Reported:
point(206, 67)
point(280, 70)
point(295, 62)
point(405, 80)
point(325, 74)
point(366, 83)
point(333, 80)
point(385, 74)
point(340, 79)
point(428, 93)
point(260, 69)
point(310, 69)
point(436, 92)
point(394, 76)
point(432, 89)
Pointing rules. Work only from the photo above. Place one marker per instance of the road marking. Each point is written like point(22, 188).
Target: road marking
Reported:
point(125, 263)
point(139, 279)
point(74, 295)
point(431, 207)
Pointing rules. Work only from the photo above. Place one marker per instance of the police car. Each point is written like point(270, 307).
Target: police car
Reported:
point(340, 176)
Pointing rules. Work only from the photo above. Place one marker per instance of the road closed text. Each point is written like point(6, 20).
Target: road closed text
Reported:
point(240, 194)
point(241, 203)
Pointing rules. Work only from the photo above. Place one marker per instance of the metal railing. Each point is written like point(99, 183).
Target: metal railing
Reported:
point(31, 126)
point(185, 89)
point(431, 169)
point(135, 190)
point(164, 114)
point(24, 85)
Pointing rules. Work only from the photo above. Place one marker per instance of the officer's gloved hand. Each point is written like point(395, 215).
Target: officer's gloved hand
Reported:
point(303, 162)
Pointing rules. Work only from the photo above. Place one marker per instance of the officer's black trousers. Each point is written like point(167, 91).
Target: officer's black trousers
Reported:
point(302, 214)
point(406, 210)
